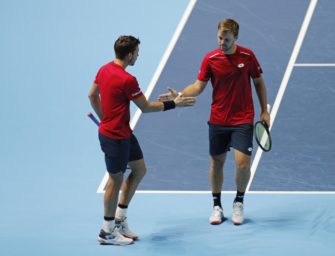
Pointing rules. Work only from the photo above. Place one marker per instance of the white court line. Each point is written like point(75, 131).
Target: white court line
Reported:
point(187, 192)
point(285, 80)
point(314, 65)
point(165, 58)
point(156, 75)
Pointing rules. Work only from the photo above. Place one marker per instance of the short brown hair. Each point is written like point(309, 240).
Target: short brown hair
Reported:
point(229, 25)
point(124, 45)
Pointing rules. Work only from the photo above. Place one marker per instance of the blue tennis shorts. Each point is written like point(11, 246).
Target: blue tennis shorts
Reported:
point(119, 152)
point(221, 138)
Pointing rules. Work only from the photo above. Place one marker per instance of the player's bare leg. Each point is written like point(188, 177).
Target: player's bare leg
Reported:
point(242, 178)
point(216, 179)
point(112, 193)
point(109, 234)
point(138, 170)
point(242, 162)
point(216, 172)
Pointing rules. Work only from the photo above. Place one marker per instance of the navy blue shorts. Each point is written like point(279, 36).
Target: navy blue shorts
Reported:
point(221, 138)
point(119, 152)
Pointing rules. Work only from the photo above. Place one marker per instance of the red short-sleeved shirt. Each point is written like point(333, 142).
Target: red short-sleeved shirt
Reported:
point(232, 102)
point(117, 88)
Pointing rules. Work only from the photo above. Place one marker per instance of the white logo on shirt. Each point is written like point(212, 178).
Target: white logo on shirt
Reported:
point(241, 65)
point(136, 93)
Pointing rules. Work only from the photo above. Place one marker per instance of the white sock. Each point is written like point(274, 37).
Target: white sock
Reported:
point(108, 225)
point(120, 213)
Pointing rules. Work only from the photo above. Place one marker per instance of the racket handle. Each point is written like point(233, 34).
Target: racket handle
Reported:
point(93, 118)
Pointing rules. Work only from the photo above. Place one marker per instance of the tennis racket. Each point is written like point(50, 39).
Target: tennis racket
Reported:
point(93, 118)
point(262, 136)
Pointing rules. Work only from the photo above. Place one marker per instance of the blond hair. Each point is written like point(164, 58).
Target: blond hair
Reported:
point(229, 25)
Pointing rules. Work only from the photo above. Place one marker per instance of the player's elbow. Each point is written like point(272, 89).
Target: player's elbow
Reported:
point(93, 97)
point(146, 109)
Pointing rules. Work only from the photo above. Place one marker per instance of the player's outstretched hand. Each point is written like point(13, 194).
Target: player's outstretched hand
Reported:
point(171, 95)
point(182, 101)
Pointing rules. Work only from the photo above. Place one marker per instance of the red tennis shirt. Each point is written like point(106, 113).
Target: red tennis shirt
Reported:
point(232, 102)
point(117, 88)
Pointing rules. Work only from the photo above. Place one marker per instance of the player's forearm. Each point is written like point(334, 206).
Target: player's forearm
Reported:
point(262, 94)
point(96, 105)
point(152, 106)
point(155, 106)
point(193, 90)
point(262, 99)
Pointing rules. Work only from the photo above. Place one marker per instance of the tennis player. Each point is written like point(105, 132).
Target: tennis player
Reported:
point(230, 69)
point(110, 95)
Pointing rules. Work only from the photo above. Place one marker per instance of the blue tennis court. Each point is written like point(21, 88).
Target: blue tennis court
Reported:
point(52, 170)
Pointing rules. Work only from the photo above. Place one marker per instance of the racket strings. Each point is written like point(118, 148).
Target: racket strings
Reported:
point(262, 137)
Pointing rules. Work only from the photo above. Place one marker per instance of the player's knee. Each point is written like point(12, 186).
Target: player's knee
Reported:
point(217, 161)
point(139, 172)
point(244, 166)
point(143, 172)
point(116, 180)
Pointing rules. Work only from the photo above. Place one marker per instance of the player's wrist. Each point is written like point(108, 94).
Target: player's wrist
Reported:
point(170, 104)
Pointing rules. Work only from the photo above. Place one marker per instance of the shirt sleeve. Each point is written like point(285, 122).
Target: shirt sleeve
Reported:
point(204, 72)
point(133, 90)
point(255, 68)
point(97, 77)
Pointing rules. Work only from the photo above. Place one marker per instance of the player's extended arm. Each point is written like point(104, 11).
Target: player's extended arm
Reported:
point(191, 90)
point(262, 97)
point(194, 89)
point(94, 97)
point(154, 106)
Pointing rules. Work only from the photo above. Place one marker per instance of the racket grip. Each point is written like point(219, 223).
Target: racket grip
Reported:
point(93, 118)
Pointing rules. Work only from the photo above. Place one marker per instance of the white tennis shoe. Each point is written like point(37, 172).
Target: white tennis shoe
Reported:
point(216, 217)
point(123, 228)
point(238, 216)
point(113, 238)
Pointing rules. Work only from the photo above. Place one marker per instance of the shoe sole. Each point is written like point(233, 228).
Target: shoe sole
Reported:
point(237, 222)
point(130, 237)
point(215, 222)
point(134, 238)
point(105, 242)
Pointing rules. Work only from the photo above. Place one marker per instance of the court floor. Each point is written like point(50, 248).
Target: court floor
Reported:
point(177, 224)
point(51, 167)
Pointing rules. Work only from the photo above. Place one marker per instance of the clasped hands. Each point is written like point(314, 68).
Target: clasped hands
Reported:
point(178, 97)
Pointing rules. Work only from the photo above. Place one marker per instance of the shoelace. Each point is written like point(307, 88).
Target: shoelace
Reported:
point(238, 208)
point(122, 224)
point(121, 221)
point(110, 235)
point(217, 212)
point(116, 233)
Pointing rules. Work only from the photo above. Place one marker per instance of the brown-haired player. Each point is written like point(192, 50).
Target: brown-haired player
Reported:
point(110, 95)
point(230, 69)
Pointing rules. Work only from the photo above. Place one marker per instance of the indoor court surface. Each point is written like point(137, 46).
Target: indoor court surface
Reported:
point(53, 172)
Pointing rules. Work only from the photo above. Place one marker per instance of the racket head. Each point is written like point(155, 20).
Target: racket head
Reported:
point(262, 136)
